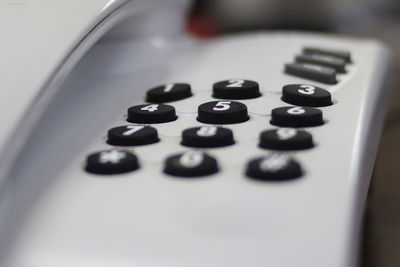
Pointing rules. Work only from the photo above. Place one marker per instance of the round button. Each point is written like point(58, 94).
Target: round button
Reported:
point(222, 112)
point(236, 89)
point(191, 164)
point(306, 95)
point(151, 113)
point(274, 167)
point(112, 161)
point(296, 117)
point(169, 92)
point(286, 139)
point(207, 136)
point(132, 135)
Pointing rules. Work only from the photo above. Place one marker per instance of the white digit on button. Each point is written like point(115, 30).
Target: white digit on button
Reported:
point(191, 159)
point(308, 90)
point(222, 105)
point(207, 131)
point(132, 129)
point(296, 111)
point(150, 108)
point(286, 133)
point(168, 88)
point(235, 83)
point(273, 163)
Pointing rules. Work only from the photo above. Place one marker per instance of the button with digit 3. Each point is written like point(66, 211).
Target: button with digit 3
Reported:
point(296, 117)
point(286, 139)
point(306, 95)
point(191, 164)
point(274, 167)
point(236, 89)
point(222, 112)
point(112, 161)
point(169, 92)
point(132, 135)
point(207, 136)
point(151, 113)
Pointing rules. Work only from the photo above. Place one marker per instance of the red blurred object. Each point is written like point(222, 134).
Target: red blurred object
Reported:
point(202, 25)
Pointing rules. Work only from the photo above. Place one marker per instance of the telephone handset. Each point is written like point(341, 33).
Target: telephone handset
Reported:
point(126, 142)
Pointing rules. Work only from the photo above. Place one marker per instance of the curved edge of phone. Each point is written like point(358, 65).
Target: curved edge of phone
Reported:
point(46, 41)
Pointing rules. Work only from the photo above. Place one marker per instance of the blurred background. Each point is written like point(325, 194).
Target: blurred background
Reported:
point(364, 18)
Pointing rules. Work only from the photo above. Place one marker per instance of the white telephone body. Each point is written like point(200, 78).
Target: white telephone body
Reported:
point(69, 71)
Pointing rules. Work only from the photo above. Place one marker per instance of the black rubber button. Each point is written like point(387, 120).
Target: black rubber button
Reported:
point(334, 53)
point(236, 89)
point(274, 167)
point(339, 64)
point(313, 72)
point(191, 164)
point(112, 161)
point(296, 117)
point(207, 136)
point(306, 95)
point(132, 135)
point(222, 112)
point(169, 92)
point(151, 113)
point(286, 139)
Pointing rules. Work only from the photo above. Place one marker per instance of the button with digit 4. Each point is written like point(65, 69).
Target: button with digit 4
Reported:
point(169, 92)
point(151, 113)
point(286, 139)
point(207, 136)
point(132, 135)
point(236, 89)
point(222, 112)
point(296, 117)
point(191, 164)
point(306, 95)
point(274, 167)
point(112, 161)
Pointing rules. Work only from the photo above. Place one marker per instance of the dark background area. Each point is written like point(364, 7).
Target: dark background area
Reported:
point(378, 19)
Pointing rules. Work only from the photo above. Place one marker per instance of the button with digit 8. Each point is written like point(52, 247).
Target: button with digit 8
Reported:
point(296, 117)
point(151, 113)
point(207, 136)
point(222, 112)
point(191, 164)
point(306, 95)
point(286, 139)
point(236, 89)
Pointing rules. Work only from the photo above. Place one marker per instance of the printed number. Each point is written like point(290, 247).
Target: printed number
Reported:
point(296, 111)
point(273, 163)
point(191, 159)
point(132, 129)
point(235, 83)
point(222, 105)
point(285, 133)
point(150, 108)
point(168, 88)
point(308, 90)
point(207, 131)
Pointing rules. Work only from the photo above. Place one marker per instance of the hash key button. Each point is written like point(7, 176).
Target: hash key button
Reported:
point(151, 113)
point(236, 89)
point(306, 95)
point(132, 135)
point(313, 72)
point(222, 112)
point(274, 167)
point(112, 161)
point(169, 92)
point(296, 117)
point(286, 139)
point(191, 164)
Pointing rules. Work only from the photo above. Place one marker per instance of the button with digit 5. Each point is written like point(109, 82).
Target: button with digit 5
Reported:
point(222, 112)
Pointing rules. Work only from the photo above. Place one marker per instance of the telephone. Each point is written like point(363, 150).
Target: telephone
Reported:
point(125, 142)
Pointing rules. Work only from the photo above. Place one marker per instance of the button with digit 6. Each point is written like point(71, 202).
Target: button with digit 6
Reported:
point(306, 95)
point(296, 117)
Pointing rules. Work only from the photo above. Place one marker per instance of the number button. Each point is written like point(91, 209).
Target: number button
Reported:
point(132, 135)
point(191, 164)
point(296, 117)
point(112, 161)
point(168, 93)
point(236, 89)
point(222, 112)
point(207, 136)
point(286, 139)
point(151, 113)
point(306, 95)
point(274, 167)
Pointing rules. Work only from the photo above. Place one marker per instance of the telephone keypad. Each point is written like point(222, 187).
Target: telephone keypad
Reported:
point(113, 161)
point(236, 89)
point(222, 112)
point(207, 136)
point(296, 117)
point(151, 113)
point(132, 135)
point(286, 139)
point(306, 95)
point(169, 92)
